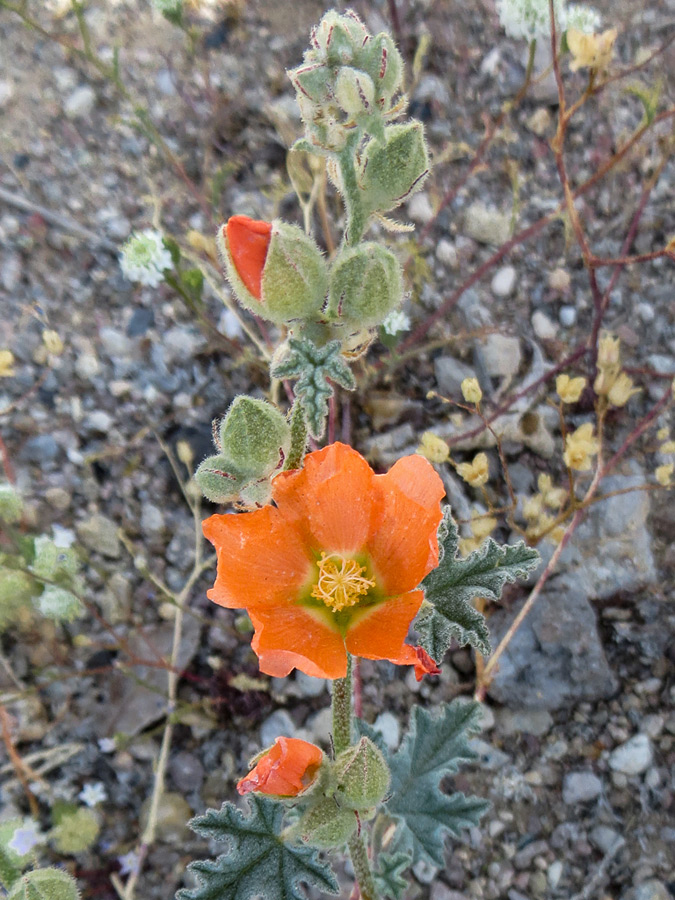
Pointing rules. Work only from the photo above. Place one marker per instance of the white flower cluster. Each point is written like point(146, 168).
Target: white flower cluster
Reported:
point(396, 322)
point(144, 258)
point(530, 19)
point(583, 18)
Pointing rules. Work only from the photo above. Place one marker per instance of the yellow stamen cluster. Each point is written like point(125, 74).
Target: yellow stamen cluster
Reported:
point(341, 582)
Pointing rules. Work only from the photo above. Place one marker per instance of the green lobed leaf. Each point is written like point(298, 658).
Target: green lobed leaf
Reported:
point(452, 586)
point(45, 884)
point(434, 747)
point(389, 874)
point(313, 367)
point(257, 863)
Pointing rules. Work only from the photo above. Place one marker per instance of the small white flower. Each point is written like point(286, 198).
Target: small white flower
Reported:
point(64, 538)
point(583, 18)
point(26, 837)
point(93, 794)
point(530, 19)
point(144, 258)
point(396, 322)
point(107, 745)
point(129, 863)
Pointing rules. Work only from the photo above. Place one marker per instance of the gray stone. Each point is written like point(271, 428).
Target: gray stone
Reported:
point(40, 449)
point(306, 686)
point(650, 890)
point(420, 209)
point(554, 874)
point(633, 757)
point(446, 253)
point(440, 891)
point(543, 327)
point(115, 343)
point(11, 272)
point(320, 727)
point(489, 757)
point(487, 225)
point(425, 871)
point(567, 316)
point(98, 422)
point(187, 771)
point(152, 519)
point(450, 373)
point(524, 721)
point(605, 838)
point(98, 533)
point(555, 658)
point(580, 787)
point(279, 724)
point(503, 281)
point(388, 726)
point(80, 102)
point(501, 355)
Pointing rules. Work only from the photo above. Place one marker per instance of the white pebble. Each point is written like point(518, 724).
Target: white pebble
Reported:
point(80, 103)
point(543, 327)
point(567, 316)
point(504, 281)
point(633, 757)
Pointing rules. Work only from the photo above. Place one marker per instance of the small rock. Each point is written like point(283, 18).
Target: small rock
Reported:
point(388, 726)
point(80, 102)
point(645, 312)
point(152, 518)
point(420, 208)
point(543, 327)
point(98, 533)
point(605, 838)
point(446, 253)
point(651, 890)
point(98, 422)
point(489, 757)
point(6, 92)
point(307, 686)
point(172, 817)
point(40, 449)
point(141, 320)
point(501, 354)
point(540, 121)
point(115, 599)
point(487, 225)
point(279, 724)
point(567, 316)
point(58, 498)
point(504, 281)
point(653, 725)
point(115, 343)
point(633, 757)
point(320, 726)
point(560, 280)
point(11, 272)
point(87, 366)
point(554, 874)
point(450, 373)
point(424, 871)
point(580, 787)
point(187, 771)
point(524, 721)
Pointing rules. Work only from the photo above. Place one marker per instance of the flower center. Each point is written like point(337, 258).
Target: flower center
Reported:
point(341, 582)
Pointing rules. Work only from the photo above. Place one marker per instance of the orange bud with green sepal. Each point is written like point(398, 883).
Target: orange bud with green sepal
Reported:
point(289, 768)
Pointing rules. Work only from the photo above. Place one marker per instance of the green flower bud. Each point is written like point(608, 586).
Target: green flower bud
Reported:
point(44, 884)
point(384, 64)
point(393, 169)
point(354, 91)
point(327, 825)
point(363, 776)
point(337, 39)
point(11, 504)
point(366, 284)
point(217, 480)
point(276, 270)
point(312, 81)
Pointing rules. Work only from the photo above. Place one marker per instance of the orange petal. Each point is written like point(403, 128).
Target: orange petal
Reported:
point(402, 543)
point(379, 631)
point(300, 638)
point(262, 560)
point(420, 659)
point(248, 241)
point(332, 498)
point(286, 770)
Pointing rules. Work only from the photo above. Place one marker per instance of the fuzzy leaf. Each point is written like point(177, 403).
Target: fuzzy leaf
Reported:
point(257, 863)
point(454, 584)
point(45, 884)
point(313, 367)
point(434, 747)
point(389, 874)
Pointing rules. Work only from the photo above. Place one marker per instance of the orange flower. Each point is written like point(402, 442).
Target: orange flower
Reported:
point(333, 567)
point(249, 240)
point(418, 657)
point(285, 770)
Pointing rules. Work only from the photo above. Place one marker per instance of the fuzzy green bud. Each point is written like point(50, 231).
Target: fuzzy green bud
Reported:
point(384, 64)
point(393, 169)
point(363, 776)
point(338, 38)
point(354, 91)
point(45, 884)
point(366, 284)
point(11, 504)
point(275, 269)
point(327, 825)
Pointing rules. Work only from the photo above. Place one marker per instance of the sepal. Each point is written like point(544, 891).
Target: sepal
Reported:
point(327, 825)
point(366, 284)
point(394, 168)
point(363, 776)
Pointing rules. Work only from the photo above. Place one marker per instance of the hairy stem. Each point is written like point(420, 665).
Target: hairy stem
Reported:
point(298, 437)
point(362, 870)
point(356, 215)
point(342, 710)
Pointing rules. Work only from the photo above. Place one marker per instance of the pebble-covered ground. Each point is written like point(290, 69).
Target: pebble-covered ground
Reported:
point(578, 742)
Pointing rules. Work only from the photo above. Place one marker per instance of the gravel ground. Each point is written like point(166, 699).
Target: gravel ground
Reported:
point(578, 746)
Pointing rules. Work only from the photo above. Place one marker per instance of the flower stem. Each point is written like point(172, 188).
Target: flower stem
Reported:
point(298, 437)
point(356, 216)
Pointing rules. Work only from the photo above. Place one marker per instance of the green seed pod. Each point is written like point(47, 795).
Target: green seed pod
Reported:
point(393, 169)
point(255, 436)
point(354, 91)
point(217, 480)
point(384, 64)
point(11, 504)
point(327, 825)
point(363, 776)
point(366, 284)
point(45, 884)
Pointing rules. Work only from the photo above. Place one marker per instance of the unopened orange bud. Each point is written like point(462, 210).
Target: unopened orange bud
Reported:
point(249, 240)
point(287, 769)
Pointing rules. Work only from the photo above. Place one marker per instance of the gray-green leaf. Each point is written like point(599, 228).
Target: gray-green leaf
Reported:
point(257, 863)
point(389, 874)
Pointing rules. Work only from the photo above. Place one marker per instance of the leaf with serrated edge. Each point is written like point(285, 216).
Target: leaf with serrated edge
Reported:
point(454, 584)
point(389, 874)
point(257, 863)
point(434, 747)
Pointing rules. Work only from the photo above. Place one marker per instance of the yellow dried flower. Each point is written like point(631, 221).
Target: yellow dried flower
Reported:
point(533, 507)
point(668, 447)
point(663, 433)
point(52, 341)
point(664, 474)
point(467, 545)
point(553, 497)
point(471, 391)
point(622, 390)
point(477, 472)
point(670, 246)
point(185, 453)
point(580, 448)
point(591, 51)
point(482, 526)
point(6, 364)
point(433, 448)
point(569, 389)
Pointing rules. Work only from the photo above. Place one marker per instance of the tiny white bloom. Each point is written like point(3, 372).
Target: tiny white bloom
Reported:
point(64, 538)
point(396, 322)
point(144, 258)
point(129, 863)
point(93, 794)
point(26, 837)
point(59, 604)
point(583, 18)
point(530, 19)
point(107, 745)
